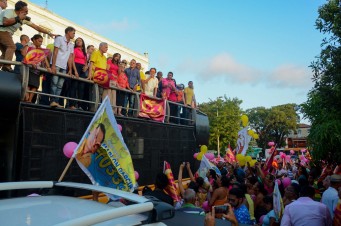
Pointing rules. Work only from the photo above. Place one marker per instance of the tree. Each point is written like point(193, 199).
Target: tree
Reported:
point(323, 105)
point(273, 124)
point(224, 116)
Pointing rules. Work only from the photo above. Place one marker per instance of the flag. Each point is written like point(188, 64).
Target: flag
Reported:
point(102, 153)
point(171, 187)
point(34, 56)
point(152, 108)
point(103, 78)
point(205, 166)
point(230, 158)
point(243, 141)
point(277, 202)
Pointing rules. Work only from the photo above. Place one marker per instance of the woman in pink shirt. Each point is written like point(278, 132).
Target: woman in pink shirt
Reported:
point(169, 93)
point(112, 66)
point(77, 89)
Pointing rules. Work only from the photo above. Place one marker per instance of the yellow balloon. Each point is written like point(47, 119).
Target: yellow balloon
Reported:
point(255, 136)
point(203, 148)
point(199, 156)
point(248, 158)
point(242, 162)
point(251, 132)
point(245, 120)
point(239, 157)
point(253, 162)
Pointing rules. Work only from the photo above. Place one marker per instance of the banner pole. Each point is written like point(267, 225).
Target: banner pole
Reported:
point(66, 169)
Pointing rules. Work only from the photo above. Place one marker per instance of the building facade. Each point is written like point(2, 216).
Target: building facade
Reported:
point(298, 138)
point(57, 24)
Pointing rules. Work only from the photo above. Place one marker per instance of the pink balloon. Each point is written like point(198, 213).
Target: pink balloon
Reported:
point(271, 143)
point(287, 158)
point(209, 156)
point(303, 150)
point(286, 182)
point(283, 155)
point(292, 152)
point(137, 175)
point(69, 148)
point(119, 127)
point(195, 155)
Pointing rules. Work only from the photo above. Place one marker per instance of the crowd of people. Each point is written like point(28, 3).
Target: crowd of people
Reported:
point(79, 61)
point(310, 196)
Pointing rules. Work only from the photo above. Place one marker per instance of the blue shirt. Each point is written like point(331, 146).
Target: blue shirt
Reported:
point(18, 56)
point(133, 77)
point(242, 214)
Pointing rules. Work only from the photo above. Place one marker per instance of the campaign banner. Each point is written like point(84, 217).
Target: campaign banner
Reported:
point(243, 141)
point(34, 56)
point(205, 166)
point(171, 187)
point(103, 77)
point(102, 153)
point(152, 108)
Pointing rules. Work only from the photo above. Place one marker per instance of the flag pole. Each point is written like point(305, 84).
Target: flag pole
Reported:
point(66, 169)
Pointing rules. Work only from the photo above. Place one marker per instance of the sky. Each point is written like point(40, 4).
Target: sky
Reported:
point(256, 51)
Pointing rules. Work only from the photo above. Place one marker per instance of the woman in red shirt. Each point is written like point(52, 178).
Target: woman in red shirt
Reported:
point(122, 83)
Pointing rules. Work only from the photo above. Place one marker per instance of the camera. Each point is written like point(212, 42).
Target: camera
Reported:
point(27, 18)
point(221, 209)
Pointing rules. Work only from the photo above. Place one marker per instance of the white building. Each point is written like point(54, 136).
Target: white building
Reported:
point(57, 24)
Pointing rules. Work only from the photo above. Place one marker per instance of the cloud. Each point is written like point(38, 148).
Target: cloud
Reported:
point(226, 67)
point(290, 75)
point(123, 25)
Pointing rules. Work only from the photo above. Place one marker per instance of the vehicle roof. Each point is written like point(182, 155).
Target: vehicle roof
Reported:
point(51, 210)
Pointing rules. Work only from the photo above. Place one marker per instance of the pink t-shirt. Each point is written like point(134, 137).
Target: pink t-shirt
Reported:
point(169, 93)
point(80, 58)
point(113, 67)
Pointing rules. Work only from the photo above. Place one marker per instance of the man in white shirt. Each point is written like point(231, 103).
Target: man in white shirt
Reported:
point(280, 172)
point(330, 196)
point(151, 83)
point(3, 5)
point(61, 59)
point(11, 20)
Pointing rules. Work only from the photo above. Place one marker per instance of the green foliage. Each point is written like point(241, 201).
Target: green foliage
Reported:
point(273, 124)
point(224, 116)
point(323, 105)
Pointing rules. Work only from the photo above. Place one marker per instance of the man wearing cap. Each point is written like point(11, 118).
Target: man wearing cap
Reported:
point(330, 197)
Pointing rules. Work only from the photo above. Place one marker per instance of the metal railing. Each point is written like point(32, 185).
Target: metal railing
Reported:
point(185, 115)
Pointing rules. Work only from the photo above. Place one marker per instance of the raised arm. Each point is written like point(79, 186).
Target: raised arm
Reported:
point(181, 187)
point(188, 166)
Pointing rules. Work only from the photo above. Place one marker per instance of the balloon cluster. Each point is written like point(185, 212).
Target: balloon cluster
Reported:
point(245, 122)
point(203, 150)
point(242, 160)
